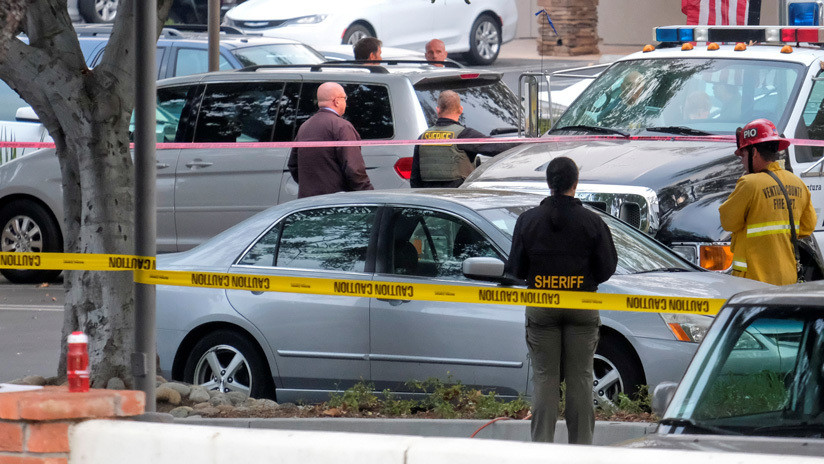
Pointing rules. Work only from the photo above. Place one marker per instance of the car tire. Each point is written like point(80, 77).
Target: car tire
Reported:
point(484, 41)
point(26, 226)
point(251, 376)
point(354, 33)
point(97, 11)
point(615, 370)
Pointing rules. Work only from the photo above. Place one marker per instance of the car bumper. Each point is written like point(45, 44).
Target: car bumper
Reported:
point(664, 360)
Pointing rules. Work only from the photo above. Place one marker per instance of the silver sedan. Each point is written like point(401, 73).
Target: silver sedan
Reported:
point(303, 347)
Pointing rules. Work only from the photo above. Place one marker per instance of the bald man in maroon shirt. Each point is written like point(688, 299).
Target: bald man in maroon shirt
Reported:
point(320, 170)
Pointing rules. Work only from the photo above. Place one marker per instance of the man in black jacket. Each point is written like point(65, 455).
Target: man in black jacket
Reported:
point(560, 245)
point(448, 165)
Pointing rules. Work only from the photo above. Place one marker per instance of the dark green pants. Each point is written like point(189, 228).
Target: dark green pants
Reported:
point(553, 335)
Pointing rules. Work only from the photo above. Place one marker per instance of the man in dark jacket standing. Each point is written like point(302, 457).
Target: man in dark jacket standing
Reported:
point(320, 170)
point(448, 165)
point(560, 245)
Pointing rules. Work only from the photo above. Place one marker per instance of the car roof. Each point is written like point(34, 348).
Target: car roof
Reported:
point(809, 293)
point(803, 55)
point(415, 73)
point(475, 199)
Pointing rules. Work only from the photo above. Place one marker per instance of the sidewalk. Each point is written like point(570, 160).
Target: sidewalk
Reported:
point(527, 49)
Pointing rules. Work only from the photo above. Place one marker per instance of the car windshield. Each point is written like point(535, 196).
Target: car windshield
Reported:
point(763, 376)
point(287, 53)
point(685, 96)
point(488, 106)
point(637, 253)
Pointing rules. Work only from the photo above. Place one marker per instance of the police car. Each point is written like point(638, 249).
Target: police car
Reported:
point(657, 170)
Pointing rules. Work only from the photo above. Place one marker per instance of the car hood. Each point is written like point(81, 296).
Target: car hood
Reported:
point(653, 164)
point(698, 284)
point(273, 10)
point(740, 444)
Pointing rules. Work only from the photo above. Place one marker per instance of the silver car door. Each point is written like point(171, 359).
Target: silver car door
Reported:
point(478, 345)
point(320, 342)
point(217, 188)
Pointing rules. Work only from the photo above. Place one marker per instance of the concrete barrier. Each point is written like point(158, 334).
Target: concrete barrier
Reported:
point(606, 433)
point(127, 442)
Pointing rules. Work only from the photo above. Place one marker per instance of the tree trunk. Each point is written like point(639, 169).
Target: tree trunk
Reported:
point(87, 113)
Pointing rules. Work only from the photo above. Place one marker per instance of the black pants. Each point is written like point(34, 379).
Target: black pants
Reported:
point(553, 334)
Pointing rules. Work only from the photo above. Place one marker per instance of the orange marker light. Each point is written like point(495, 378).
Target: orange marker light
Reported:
point(715, 257)
point(740, 47)
point(712, 46)
point(786, 49)
point(686, 46)
point(679, 333)
point(648, 48)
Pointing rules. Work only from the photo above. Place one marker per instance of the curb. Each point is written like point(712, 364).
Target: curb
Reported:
point(606, 433)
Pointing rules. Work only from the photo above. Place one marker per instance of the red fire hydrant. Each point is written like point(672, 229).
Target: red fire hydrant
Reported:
point(77, 362)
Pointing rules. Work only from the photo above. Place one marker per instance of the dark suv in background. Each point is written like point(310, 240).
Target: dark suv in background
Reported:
point(182, 11)
point(201, 191)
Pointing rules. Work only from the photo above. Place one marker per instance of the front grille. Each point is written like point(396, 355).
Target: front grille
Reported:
point(260, 24)
point(597, 205)
point(630, 213)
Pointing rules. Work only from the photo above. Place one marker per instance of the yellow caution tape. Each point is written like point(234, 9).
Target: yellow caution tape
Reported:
point(75, 262)
point(145, 272)
point(432, 292)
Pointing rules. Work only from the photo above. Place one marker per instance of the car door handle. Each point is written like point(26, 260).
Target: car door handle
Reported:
point(198, 164)
point(162, 165)
point(393, 302)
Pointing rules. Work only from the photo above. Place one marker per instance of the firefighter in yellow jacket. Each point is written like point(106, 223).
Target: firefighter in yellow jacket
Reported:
point(756, 211)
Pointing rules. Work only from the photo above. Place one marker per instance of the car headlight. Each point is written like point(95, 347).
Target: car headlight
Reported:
point(687, 327)
point(711, 256)
point(311, 19)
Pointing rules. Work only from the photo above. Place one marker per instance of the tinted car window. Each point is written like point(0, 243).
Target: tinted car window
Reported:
point(367, 108)
point(434, 244)
point(288, 113)
point(277, 54)
point(170, 104)
point(238, 112)
point(636, 251)
point(331, 239)
point(489, 106)
point(196, 61)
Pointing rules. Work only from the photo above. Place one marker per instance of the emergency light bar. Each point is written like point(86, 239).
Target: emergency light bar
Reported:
point(733, 34)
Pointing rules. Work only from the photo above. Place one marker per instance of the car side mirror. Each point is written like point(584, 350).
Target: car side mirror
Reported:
point(489, 269)
point(27, 114)
point(661, 397)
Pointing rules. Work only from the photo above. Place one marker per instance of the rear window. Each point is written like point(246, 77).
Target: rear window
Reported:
point(277, 54)
point(489, 106)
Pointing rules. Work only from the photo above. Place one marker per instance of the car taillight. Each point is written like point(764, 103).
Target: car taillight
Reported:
point(715, 257)
point(404, 167)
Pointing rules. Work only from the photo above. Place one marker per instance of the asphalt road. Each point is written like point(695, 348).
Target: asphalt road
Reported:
point(31, 316)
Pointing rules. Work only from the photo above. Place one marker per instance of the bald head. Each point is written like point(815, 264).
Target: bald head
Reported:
point(435, 51)
point(331, 95)
point(449, 105)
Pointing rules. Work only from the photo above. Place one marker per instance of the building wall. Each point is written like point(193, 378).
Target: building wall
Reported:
point(628, 22)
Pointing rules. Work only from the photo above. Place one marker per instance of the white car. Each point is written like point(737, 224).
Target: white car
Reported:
point(476, 27)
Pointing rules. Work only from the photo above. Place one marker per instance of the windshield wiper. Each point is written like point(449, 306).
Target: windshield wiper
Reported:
point(602, 130)
point(697, 426)
point(664, 269)
point(812, 430)
point(679, 130)
point(503, 130)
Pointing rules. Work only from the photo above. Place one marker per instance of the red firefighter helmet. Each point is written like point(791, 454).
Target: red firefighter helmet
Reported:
point(758, 131)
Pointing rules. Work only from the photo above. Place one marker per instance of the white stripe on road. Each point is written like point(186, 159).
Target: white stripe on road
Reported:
point(13, 307)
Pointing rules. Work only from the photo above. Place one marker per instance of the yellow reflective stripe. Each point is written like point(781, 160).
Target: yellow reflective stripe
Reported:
point(740, 266)
point(769, 228)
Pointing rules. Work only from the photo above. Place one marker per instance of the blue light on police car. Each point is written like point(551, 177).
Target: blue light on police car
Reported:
point(685, 35)
point(803, 14)
point(666, 34)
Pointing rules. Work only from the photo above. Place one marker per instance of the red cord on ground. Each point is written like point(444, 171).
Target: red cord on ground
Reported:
point(528, 416)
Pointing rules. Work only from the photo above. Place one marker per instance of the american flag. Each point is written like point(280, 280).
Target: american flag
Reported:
point(716, 12)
